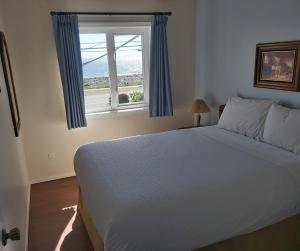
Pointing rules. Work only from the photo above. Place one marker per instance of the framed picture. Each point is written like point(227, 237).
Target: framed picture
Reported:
point(277, 66)
point(11, 91)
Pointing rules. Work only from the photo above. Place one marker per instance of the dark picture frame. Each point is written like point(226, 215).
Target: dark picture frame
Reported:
point(277, 66)
point(10, 86)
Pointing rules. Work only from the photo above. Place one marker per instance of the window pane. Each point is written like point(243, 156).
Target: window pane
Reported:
point(129, 62)
point(95, 72)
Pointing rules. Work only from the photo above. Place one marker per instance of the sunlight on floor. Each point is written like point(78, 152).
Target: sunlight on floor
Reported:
point(68, 229)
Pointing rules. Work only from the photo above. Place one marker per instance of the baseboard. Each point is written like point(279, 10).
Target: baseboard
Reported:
point(54, 177)
point(27, 217)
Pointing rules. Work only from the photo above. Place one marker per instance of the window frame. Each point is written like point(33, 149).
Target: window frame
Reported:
point(124, 28)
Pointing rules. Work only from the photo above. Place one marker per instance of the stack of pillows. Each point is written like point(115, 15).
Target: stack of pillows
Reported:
point(263, 120)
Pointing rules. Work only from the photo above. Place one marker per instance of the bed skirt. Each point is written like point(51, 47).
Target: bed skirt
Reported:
point(282, 236)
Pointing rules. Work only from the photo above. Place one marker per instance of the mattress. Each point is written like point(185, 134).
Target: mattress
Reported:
point(185, 189)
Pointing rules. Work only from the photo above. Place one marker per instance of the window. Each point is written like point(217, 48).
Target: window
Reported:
point(115, 64)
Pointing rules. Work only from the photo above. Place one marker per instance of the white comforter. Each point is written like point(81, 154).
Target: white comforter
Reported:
point(185, 189)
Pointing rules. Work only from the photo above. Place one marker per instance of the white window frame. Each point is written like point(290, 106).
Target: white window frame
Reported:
point(124, 28)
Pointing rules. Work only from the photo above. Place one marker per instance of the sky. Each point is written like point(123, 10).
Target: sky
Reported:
point(128, 57)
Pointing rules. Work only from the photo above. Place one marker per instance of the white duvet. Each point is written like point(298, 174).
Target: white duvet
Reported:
point(185, 189)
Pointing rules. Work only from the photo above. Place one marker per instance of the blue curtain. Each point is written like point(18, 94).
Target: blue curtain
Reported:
point(160, 100)
point(69, 57)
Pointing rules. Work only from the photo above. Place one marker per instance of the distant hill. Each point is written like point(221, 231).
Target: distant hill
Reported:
point(103, 82)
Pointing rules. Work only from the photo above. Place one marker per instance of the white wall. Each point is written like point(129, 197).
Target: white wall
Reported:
point(227, 33)
point(13, 176)
point(29, 30)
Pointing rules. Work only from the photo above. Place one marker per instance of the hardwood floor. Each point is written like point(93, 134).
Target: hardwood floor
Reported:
point(54, 223)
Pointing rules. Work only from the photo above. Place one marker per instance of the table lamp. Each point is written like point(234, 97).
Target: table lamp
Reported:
point(199, 106)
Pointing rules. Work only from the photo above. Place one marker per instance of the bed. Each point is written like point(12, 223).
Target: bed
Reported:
point(188, 190)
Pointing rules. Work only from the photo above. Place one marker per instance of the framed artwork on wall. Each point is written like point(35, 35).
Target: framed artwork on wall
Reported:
point(277, 66)
point(9, 82)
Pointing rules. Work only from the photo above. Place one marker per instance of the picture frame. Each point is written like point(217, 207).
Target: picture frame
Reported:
point(10, 86)
point(277, 66)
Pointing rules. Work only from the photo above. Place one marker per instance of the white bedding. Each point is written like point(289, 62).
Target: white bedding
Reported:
point(185, 189)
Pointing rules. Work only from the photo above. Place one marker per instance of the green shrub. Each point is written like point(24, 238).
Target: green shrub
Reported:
point(137, 96)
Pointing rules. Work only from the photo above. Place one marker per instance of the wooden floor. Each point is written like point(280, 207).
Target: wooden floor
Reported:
point(54, 223)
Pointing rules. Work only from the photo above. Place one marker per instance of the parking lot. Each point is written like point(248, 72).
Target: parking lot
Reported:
point(97, 100)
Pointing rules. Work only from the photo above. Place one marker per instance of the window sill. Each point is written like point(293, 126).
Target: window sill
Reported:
point(116, 113)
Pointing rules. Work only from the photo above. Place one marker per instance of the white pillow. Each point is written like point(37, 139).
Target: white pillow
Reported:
point(245, 116)
point(282, 128)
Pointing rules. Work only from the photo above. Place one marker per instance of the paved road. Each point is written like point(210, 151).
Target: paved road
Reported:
point(98, 100)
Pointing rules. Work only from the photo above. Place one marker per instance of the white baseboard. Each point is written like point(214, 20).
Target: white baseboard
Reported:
point(54, 177)
point(27, 217)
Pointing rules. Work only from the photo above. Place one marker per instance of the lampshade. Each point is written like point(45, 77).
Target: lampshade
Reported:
point(199, 106)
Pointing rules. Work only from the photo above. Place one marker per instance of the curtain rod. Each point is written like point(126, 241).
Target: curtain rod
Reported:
point(52, 13)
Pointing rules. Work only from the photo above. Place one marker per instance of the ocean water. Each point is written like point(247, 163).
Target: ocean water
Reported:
point(100, 68)
point(95, 69)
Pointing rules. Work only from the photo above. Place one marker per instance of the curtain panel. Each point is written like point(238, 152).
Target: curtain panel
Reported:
point(160, 99)
point(67, 40)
